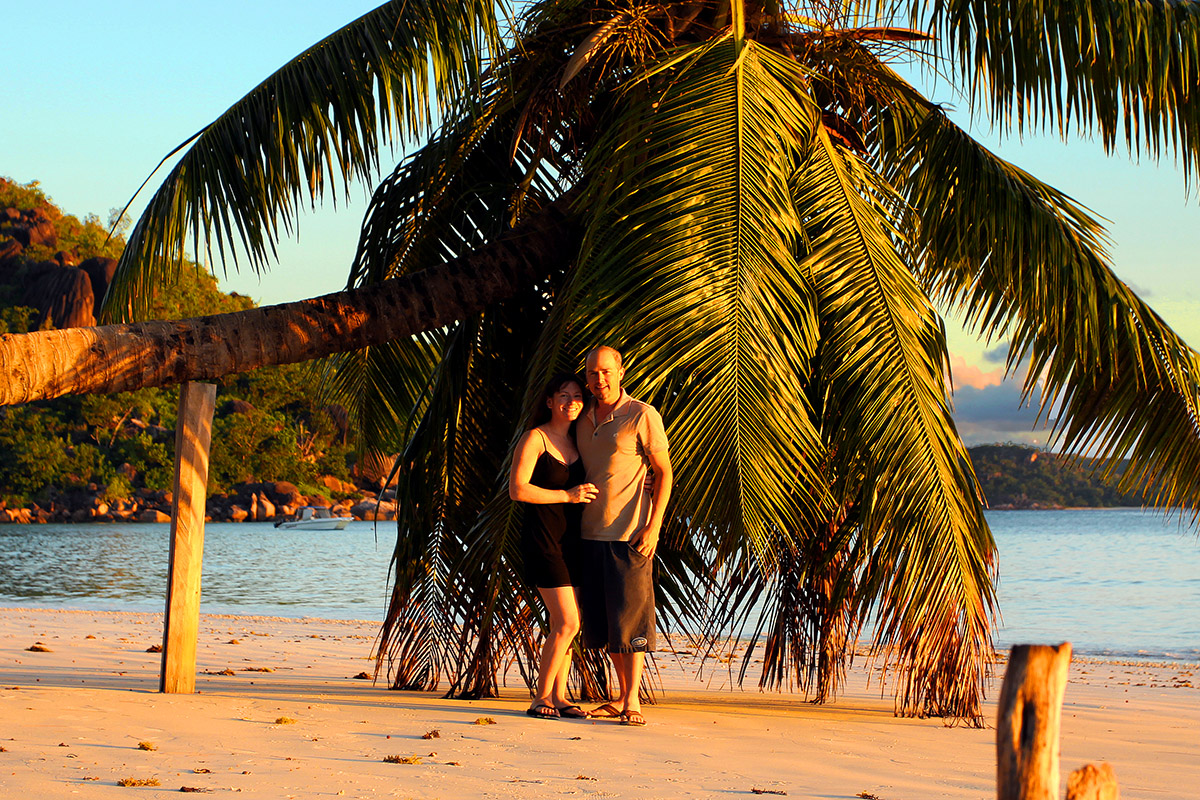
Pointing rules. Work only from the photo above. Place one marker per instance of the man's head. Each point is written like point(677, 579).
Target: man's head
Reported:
point(604, 374)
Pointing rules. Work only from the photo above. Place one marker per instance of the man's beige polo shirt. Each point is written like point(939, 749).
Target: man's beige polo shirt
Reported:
point(615, 454)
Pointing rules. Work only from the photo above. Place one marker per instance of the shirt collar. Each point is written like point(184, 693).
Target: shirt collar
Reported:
point(621, 409)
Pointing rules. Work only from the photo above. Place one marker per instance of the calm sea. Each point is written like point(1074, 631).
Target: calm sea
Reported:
point(1114, 582)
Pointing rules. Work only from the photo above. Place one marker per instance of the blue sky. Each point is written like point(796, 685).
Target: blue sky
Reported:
point(96, 94)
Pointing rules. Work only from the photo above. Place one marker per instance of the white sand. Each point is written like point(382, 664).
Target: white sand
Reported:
point(71, 721)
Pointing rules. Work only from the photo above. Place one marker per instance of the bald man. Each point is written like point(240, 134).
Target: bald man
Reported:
point(620, 439)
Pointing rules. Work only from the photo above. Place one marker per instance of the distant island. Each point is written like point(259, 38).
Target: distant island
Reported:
point(1016, 476)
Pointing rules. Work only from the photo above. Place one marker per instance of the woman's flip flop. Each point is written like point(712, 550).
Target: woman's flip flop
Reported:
point(572, 712)
point(633, 718)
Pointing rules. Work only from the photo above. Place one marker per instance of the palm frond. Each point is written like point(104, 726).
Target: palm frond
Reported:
point(689, 269)
point(384, 388)
point(883, 357)
point(457, 192)
point(1009, 251)
point(457, 558)
point(418, 632)
point(313, 124)
point(1127, 70)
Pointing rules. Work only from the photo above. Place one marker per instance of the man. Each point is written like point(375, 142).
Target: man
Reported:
point(619, 439)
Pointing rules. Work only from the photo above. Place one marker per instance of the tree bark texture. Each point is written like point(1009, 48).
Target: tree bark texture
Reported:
point(118, 358)
point(1030, 715)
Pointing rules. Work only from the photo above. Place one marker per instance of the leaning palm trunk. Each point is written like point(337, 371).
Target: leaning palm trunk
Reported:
point(120, 358)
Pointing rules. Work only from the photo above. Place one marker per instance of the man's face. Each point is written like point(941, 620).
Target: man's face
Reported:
point(604, 376)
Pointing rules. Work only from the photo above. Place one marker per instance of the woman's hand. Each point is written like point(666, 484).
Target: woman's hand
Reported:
point(583, 493)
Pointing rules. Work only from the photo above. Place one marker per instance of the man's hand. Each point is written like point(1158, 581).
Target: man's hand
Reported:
point(645, 541)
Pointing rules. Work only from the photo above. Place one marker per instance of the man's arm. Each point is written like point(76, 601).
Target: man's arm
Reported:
point(646, 540)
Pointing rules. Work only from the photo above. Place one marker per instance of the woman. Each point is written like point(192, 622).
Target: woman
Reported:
point(548, 476)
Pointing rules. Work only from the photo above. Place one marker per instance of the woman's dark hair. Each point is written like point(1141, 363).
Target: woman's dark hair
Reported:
point(542, 413)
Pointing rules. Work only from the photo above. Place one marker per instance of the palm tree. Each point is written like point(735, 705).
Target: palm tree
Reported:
point(770, 218)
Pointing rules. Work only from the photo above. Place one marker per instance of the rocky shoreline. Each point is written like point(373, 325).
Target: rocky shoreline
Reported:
point(247, 502)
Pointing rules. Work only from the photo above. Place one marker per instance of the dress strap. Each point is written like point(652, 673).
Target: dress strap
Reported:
point(545, 440)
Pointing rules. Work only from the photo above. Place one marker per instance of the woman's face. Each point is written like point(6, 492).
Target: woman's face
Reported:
point(567, 402)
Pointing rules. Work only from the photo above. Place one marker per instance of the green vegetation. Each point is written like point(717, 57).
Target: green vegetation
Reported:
point(269, 426)
point(1014, 476)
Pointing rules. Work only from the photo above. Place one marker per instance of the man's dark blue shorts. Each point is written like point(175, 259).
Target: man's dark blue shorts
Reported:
point(616, 598)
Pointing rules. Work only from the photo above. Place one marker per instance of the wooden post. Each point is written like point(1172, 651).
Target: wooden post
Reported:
point(1030, 715)
point(1090, 782)
point(181, 628)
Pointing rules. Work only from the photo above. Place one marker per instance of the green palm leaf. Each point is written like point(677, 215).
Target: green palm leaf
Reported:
point(1125, 69)
point(315, 121)
point(384, 388)
point(689, 268)
point(443, 469)
point(457, 565)
point(928, 549)
point(1008, 250)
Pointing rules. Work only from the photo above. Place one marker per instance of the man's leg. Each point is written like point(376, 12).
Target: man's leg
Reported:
point(629, 673)
point(633, 616)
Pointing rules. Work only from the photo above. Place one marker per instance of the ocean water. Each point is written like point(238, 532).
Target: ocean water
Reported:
point(1119, 582)
point(1114, 582)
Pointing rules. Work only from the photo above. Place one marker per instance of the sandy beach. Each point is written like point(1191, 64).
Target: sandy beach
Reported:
point(279, 713)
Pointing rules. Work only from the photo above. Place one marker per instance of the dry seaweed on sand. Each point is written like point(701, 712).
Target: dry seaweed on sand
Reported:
point(433, 734)
point(484, 721)
point(147, 746)
point(138, 782)
point(402, 759)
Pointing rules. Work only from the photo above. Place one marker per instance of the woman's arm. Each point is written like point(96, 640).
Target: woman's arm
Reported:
point(524, 460)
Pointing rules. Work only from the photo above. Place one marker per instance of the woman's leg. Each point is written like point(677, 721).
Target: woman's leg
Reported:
point(563, 610)
point(560, 692)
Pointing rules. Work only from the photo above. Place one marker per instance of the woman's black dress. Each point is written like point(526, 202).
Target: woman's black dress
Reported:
point(550, 537)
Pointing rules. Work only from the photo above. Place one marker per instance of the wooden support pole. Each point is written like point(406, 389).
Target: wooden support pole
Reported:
point(1030, 715)
point(181, 628)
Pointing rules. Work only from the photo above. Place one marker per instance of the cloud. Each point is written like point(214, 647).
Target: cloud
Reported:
point(993, 413)
point(997, 355)
point(970, 375)
point(1144, 292)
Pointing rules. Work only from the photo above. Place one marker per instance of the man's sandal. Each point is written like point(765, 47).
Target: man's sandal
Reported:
point(542, 711)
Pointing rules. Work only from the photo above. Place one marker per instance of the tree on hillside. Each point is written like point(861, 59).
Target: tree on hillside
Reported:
point(752, 203)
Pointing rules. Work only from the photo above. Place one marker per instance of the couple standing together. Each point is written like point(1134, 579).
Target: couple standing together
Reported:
point(591, 526)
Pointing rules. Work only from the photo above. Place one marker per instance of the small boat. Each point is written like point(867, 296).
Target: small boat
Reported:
point(314, 518)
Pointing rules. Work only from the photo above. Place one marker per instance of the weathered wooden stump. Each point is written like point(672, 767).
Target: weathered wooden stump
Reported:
point(1091, 782)
point(1030, 716)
